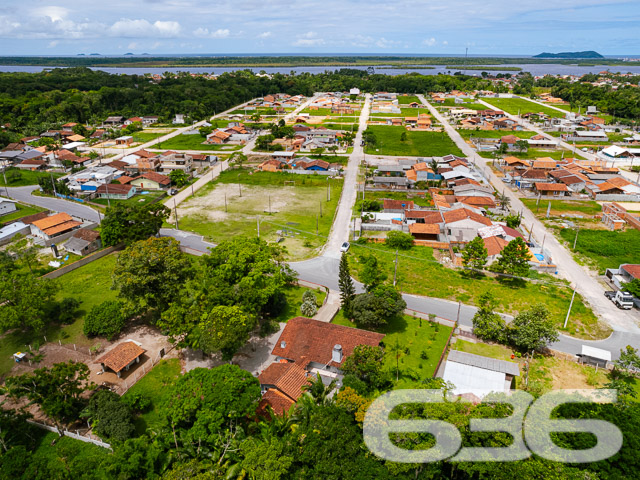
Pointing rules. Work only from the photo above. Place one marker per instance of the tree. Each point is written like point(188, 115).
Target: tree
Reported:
point(487, 324)
point(376, 307)
point(533, 329)
point(130, 223)
point(371, 274)
point(265, 460)
point(399, 240)
point(13, 175)
point(513, 221)
point(522, 145)
point(308, 308)
point(403, 136)
point(25, 251)
point(178, 178)
point(149, 273)
point(475, 254)
point(365, 362)
point(633, 287)
point(105, 320)
point(263, 142)
point(57, 390)
point(504, 200)
point(26, 301)
point(224, 330)
point(514, 258)
point(369, 138)
point(345, 282)
point(110, 416)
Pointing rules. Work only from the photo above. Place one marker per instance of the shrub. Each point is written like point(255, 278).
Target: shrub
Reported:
point(400, 240)
point(309, 309)
point(137, 402)
point(105, 320)
point(309, 296)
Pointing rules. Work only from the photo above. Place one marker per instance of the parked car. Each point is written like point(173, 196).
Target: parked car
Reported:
point(173, 191)
point(610, 294)
point(345, 247)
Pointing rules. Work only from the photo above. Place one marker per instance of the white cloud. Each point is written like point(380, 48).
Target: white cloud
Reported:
point(53, 44)
point(429, 42)
point(128, 28)
point(309, 39)
point(205, 33)
point(265, 35)
point(444, 42)
point(384, 43)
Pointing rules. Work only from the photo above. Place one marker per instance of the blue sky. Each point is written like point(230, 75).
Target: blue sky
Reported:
point(527, 27)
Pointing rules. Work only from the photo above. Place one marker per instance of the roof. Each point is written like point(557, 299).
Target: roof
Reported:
point(114, 188)
point(156, 177)
point(476, 200)
point(52, 221)
point(550, 164)
point(509, 139)
point(596, 353)
point(276, 400)
point(87, 234)
point(306, 340)
point(429, 216)
point(551, 187)
point(30, 219)
point(534, 174)
point(459, 214)
point(389, 204)
point(428, 228)
point(486, 363)
point(124, 179)
point(632, 269)
point(469, 379)
point(122, 355)
point(494, 245)
point(289, 378)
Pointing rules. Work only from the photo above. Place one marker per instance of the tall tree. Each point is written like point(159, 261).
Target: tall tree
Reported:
point(130, 223)
point(26, 301)
point(224, 330)
point(371, 274)
point(475, 254)
point(347, 289)
point(514, 258)
point(487, 324)
point(110, 417)
point(533, 329)
point(365, 362)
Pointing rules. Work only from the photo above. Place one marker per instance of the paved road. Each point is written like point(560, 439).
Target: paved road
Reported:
point(291, 116)
point(75, 209)
point(188, 239)
point(586, 285)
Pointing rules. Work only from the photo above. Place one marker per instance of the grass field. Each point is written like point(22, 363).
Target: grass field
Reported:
point(154, 386)
point(327, 112)
point(23, 211)
point(192, 142)
point(427, 144)
point(27, 177)
point(560, 207)
point(293, 294)
point(407, 99)
point(466, 134)
point(605, 116)
point(419, 338)
point(513, 105)
point(293, 207)
point(419, 199)
point(533, 153)
point(419, 273)
point(145, 136)
point(135, 200)
point(604, 249)
point(404, 112)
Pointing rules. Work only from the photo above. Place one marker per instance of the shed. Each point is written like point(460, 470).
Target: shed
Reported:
point(121, 357)
point(477, 374)
point(594, 356)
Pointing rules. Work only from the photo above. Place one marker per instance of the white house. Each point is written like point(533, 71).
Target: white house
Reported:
point(7, 206)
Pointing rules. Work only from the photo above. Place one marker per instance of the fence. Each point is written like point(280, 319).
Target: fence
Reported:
point(83, 261)
point(617, 198)
point(83, 438)
point(142, 371)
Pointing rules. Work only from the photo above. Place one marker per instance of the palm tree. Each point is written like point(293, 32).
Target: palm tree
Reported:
point(504, 201)
point(397, 351)
point(319, 392)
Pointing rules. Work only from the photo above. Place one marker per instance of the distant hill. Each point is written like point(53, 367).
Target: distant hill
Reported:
point(587, 54)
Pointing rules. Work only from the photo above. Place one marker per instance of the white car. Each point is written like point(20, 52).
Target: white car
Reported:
point(345, 247)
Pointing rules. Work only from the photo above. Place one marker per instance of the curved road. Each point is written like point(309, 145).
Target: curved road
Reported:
point(75, 209)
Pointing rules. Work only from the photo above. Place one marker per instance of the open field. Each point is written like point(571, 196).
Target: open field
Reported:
point(292, 207)
point(587, 208)
point(192, 142)
point(145, 136)
point(27, 177)
point(404, 112)
point(470, 106)
point(23, 211)
point(466, 133)
point(423, 200)
point(533, 153)
point(407, 99)
point(327, 112)
point(513, 105)
point(427, 144)
point(137, 199)
point(421, 274)
point(418, 338)
point(565, 106)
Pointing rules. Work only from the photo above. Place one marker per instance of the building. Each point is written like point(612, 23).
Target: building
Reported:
point(281, 385)
point(151, 181)
point(462, 224)
point(116, 192)
point(53, 226)
point(9, 231)
point(83, 242)
point(7, 206)
point(124, 141)
point(594, 356)
point(624, 274)
point(552, 189)
point(170, 161)
point(122, 357)
point(478, 375)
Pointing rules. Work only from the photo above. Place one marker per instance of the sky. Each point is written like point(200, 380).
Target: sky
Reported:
point(508, 27)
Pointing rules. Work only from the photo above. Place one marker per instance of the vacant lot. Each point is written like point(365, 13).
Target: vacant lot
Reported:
point(192, 142)
point(421, 341)
point(145, 136)
point(515, 105)
point(283, 201)
point(588, 209)
point(23, 178)
point(135, 200)
point(420, 273)
point(533, 153)
point(466, 134)
point(427, 144)
point(406, 99)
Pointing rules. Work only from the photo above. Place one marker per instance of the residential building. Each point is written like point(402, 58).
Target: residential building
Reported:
point(53, 226)
point(115, 191)
point(7, 206)
point(151, 181)
point(122, 357)
point(170, 161)
point(552, 189)
point(83, 242)
point(124, 140)
point(477, 375)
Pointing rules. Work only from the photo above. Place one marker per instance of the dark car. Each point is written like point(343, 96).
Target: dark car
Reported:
point(610, 294)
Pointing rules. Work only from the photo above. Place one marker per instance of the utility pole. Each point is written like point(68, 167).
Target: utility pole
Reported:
point(458, 316)
point(225, 203)
point(549, 209)
point(6, 188)
point(53, 184)
point(269, 204)
point(328, 187)
point(570, 305)
point(106, 187)
point(543, 239)
point(395, 270)
point(575, 240)
point(320, 208)
point(317, 224)
point(175, 212)
point(530, 232)
point(354, 228)
point(258, 222)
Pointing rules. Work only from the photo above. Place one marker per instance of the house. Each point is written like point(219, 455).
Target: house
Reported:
point(122, 357)
point(587, 136)
point(125, 140)
point(116, 192)
point(478, 375)
point(624, 274)
point(273, 165)
point(131, 120)
point(494, 246)
point(179, 119)
point(7, 206)
point(113, 121)
point(170, 161)
point(552, 189)
point(83, 242)
point(281, 385)
point(544, 164)
point(477, 201)
point(68, 127)
point(517, 163)
point(53, 226)
point(149, 120)
point(151, 181)
point(32, 164)
point(425, 231)
point(510, 141)
point(9, 231)
point(397, 206)
point(462, 224)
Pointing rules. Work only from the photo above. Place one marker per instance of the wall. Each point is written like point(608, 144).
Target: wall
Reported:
point(617, 198)
point(67, 433)
point(83, 261)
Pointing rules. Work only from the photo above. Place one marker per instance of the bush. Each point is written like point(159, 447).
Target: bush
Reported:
point(110, 416)
point(309, 296)
point(105, 320)
point(137, 402)
point(400, 240)
point(373, 309)
point(309, 309)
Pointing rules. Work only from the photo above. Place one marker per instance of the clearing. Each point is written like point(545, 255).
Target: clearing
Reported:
point(192, 142)
point(21, 178)
point(422, 144)
point(519, 105)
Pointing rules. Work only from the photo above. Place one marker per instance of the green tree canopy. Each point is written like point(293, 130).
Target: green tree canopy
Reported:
point(533, 329)
point(514, 258)
point(475, 254)
point(225, 329)
point(26, 301)
point(487, 324)
point(399, 240)
point(105, 320)
point(110, 417)
point(130, 223)
point(373, 309)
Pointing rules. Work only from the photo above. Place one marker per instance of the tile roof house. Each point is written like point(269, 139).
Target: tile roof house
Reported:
point(83, 242)
point(54, 225)
point(115, 191)
point(462, 224)
point(397, 206)
point(553, 189)
point(121, 357)
point(151, 181)
point(280, 380)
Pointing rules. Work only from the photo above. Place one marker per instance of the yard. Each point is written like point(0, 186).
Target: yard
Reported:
point(23, 211)
point(327, 112)
point(294, 205)
point(421, 274)
point(588, 208)
point(145, 136)
point(137, 199)
point(293, 294)
point(533, 153)
point(605, 116)
point(192, 142)
point(25, 177)
point(422, 343)
point(515, 105)
point(425, 144)
point(407, 99)
point(467, 134)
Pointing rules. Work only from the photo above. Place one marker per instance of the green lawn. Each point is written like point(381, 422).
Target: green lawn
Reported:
point(419, 273)
point(466, 134)
point(147, 135)
point(293, 207)
point(155, 386)
point(407, 99)
point(192, 142)
point(293, 294)
point(327, 112)
point(604, 249)
point(419, 199)
point(470, 106)
point(560, 207)
point(533, 153)
point(135, 200)
point(424, 144)
point(23, 211)
point(404, 112)
point(419, 338)
point(27, 177)
point(605, 116)
point(513, 105)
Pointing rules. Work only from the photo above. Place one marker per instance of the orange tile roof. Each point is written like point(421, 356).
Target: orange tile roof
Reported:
point(121, 356)
point(277, 400)
point(52, 221)
point(494, 245)
point(389, 204)
point(619, 181)
point(63, 227)
point(430, 228)
point(453, 216)
point(477, 201)
point(289, 378)
point(551, 187)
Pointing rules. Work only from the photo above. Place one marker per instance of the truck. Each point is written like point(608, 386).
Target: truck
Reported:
point(623, 300)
